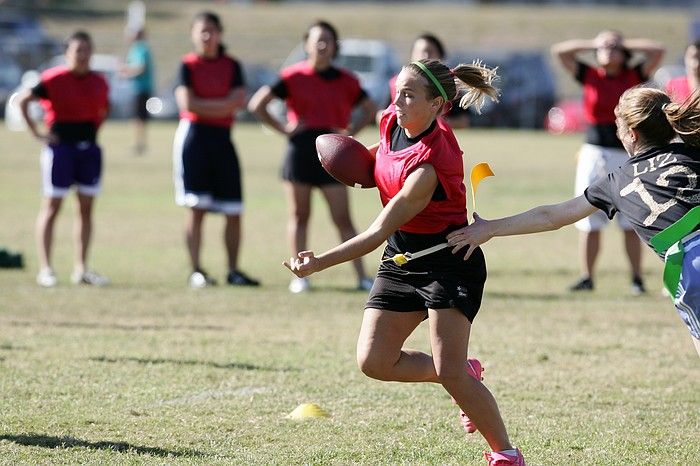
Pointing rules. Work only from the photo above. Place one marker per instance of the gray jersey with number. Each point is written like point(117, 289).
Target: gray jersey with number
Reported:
point(652, 189)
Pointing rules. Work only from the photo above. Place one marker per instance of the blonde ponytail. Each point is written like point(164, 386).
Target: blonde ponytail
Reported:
point(476, 79)
point(685, 119)
point(477, 82)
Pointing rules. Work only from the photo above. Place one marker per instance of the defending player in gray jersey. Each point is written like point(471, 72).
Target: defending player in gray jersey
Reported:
point(657, 189)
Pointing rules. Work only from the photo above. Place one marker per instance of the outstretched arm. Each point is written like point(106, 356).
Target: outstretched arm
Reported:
point(413, 197)
point(542, 218)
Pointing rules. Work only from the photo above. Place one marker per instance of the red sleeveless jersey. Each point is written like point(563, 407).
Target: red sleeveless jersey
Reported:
point(601, 93)
point(318, 102)
point(439, 149)
point(72, 98)
point(210, 78)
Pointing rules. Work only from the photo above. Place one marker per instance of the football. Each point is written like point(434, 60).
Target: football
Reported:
point(346, 160)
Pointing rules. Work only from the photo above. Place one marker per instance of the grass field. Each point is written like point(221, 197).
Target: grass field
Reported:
point(147, 371)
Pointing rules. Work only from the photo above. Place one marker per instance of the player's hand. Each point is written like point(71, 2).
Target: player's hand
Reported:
point(303, 265)
point(470, 237)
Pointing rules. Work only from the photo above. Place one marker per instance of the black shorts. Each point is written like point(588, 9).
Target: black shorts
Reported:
point(301, 164)
point(440, 280)
point(140, 106)
point(205, 167)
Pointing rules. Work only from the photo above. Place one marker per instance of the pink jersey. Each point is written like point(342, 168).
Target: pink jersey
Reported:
point(439, 149)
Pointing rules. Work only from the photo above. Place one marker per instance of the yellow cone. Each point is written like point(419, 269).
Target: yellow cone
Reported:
point(306, 411)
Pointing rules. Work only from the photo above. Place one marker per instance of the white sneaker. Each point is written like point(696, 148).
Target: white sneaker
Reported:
point(365, 284)
point(46, 278)
point(200, 279)
point(299, 285)
point(88, 277)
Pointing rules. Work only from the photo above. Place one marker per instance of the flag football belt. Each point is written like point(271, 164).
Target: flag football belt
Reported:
point(669, 242)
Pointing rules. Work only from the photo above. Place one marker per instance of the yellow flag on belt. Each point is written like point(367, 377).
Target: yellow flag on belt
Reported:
point(479, 172)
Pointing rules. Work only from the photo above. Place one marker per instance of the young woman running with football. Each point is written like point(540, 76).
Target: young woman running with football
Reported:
point(419, 173)
point(320, 99)
point(656, 189)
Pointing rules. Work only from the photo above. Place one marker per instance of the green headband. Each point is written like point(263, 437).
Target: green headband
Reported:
point(432, 78)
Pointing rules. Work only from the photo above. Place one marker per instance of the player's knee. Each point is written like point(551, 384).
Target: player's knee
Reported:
point(300, 216)
point(50, 212)
point(450, 374)
point(343, 222)
point(372, 366)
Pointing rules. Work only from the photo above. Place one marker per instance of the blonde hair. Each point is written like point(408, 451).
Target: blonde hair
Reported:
point(658, 119)
point(475, 79)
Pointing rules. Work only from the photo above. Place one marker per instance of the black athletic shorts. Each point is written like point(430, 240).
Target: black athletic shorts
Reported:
point(437, 281)
point(140, 106)
point(206, 170)
point(301, 164)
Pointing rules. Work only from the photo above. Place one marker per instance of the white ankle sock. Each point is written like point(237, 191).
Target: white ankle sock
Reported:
point(511, 452)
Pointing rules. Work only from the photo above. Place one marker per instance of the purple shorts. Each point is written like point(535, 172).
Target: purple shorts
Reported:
point(66, 164)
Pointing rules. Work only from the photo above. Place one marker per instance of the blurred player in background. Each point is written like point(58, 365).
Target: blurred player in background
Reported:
point(139, 69)
point(75, 102)
point(603, 84)
point(656, 189)
point(420, 177)
point(320, 99)
point(205, 164)
point(682, 87)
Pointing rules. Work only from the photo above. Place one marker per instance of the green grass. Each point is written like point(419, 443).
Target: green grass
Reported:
point(147, 371)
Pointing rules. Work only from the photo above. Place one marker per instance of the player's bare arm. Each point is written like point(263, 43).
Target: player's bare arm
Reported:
point(258, 107)
point(566, 52)
point(542, 218)
point(653, 51)
point(25, 98)
point(412, 199)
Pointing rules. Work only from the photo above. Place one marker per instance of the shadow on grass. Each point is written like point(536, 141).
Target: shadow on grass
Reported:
point(134, 327)
point(11, 347)
point(49, 441)
point(191, 362)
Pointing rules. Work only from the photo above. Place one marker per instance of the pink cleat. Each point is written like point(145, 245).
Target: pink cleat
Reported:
point(474, 369)
point(501, 459)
